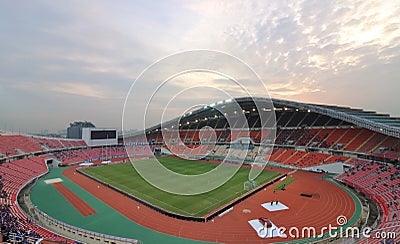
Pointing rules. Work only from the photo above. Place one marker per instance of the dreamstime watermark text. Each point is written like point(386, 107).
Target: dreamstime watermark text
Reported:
point(330, 231)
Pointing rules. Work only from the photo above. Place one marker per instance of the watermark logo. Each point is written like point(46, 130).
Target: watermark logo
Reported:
point(341, 220)
point(188, 94)
point(330, 231)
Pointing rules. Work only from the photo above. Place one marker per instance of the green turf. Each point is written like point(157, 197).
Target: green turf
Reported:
point(285, 183)
point(124, 177)
point(106, 220)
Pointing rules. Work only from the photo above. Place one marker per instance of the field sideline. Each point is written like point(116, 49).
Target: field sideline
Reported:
point(125, 177)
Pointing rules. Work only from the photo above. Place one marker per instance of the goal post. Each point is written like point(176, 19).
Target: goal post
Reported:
point(249, 185)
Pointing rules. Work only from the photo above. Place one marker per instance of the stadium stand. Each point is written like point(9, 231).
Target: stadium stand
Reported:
point(11, 145)
point(381, 183)
point(17, 144)
point(296, 126)
point(16, 227)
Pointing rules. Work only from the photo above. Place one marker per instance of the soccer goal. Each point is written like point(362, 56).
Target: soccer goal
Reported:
point(250, 185)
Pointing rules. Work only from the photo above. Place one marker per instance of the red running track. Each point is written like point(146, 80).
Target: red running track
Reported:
point(233, 227)
point(76, 201)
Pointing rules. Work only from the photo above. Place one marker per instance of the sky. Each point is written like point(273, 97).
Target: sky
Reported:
point(63, 61)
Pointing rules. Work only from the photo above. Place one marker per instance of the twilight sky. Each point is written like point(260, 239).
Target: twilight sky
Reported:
point(76, 60)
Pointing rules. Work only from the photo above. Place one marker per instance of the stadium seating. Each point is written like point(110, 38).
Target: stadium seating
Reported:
point(11, 145)
point(303, 159)
point(13, 176)
point(80, 155)
point(349, 139)
point(17, 144)
point(380, 182)
point(374, 140)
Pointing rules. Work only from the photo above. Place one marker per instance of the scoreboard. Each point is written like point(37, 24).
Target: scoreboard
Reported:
point(99, 137)
point(103, 134)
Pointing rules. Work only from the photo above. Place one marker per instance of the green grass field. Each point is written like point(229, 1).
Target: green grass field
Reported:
point(284, 184)
point(125, 177)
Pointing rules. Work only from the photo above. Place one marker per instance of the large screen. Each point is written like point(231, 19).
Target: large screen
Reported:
point(103, 134)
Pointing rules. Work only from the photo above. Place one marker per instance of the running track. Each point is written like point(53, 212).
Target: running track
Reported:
point(75, 201)
point(233, 227)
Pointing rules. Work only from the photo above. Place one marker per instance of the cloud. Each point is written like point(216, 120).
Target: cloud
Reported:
point(298, 46)
point(97, 91)
point(301, 49)
point(87, 90)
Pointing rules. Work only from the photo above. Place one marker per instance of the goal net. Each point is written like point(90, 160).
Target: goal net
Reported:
point(250, 185)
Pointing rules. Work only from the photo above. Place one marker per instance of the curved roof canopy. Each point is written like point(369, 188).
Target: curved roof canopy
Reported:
point(371, 120)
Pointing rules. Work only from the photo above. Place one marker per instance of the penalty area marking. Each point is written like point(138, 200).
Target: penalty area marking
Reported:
point(52, 181)
point(274, 207)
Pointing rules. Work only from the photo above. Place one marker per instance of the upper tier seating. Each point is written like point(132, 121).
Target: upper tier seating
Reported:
point(19, 144)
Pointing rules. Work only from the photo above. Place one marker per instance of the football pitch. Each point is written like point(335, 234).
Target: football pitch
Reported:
point(124, 177)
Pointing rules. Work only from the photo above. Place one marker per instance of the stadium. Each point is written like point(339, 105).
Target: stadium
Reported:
point(319, 166)
point(200, 121)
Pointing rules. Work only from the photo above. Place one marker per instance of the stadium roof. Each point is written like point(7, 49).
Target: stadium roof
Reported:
point(371, 120)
